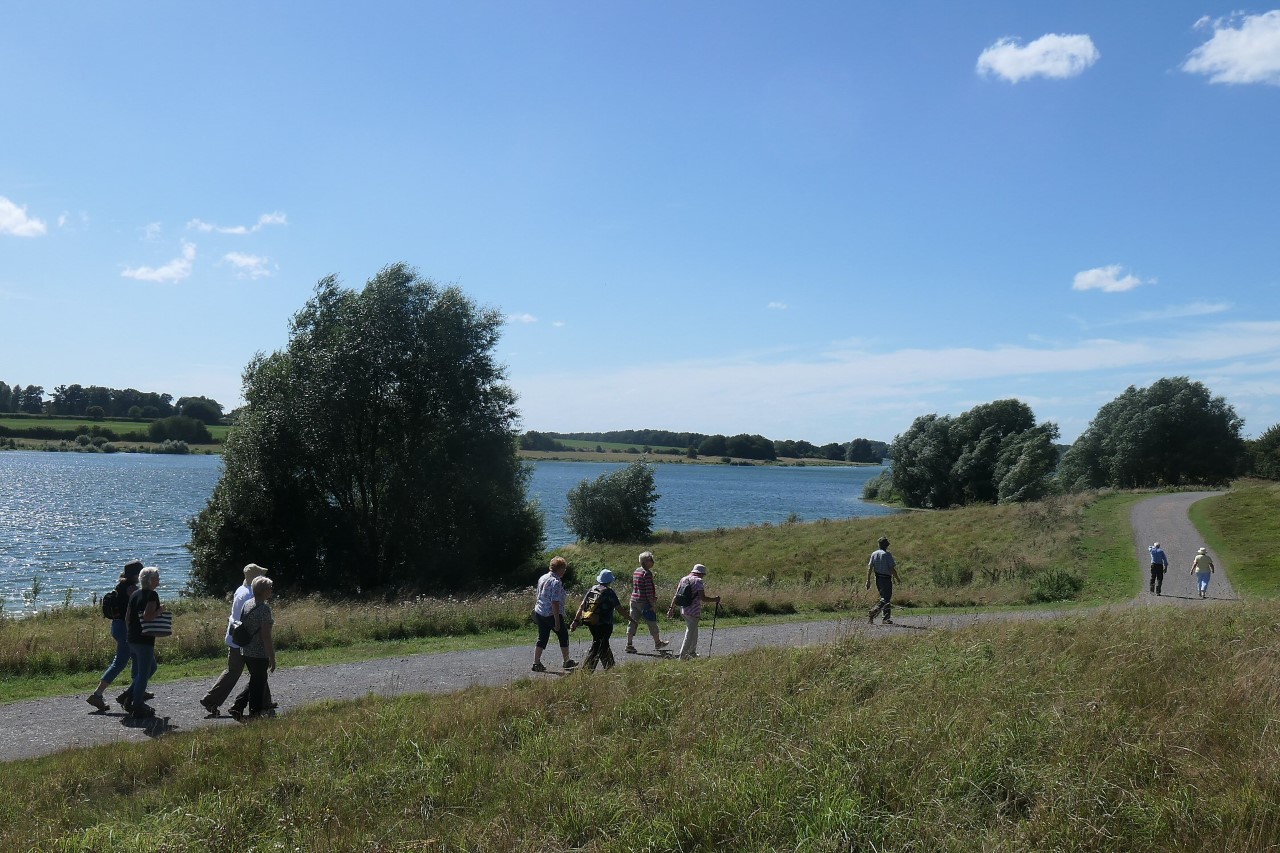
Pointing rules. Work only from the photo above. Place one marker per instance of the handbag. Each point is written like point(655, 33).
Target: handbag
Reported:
point(159, 626)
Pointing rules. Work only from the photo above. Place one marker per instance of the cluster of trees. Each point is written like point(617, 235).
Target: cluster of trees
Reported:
point(96, 401)
point(741, 446)
point(993, 452)
point(376, 452)
point(1173, 433)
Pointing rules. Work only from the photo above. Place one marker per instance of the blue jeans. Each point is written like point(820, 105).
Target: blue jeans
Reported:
point(144, 666)
point(119, 633)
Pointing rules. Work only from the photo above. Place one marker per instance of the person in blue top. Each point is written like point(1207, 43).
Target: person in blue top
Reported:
point(1159, 565)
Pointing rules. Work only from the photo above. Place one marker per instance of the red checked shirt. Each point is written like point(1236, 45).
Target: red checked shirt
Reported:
point(642, 587)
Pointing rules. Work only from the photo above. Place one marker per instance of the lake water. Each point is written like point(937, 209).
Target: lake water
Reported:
point(73, 519)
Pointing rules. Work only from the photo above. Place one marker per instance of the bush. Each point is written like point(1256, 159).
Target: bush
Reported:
point(615, 507)
point(1056, 584)
point(179, 428)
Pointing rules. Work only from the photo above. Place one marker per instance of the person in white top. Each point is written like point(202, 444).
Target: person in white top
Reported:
point(549, 614)
point(226, 682)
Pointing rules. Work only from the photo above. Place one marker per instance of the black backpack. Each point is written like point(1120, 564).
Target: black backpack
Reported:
point(242, 635)
point(114, 603)
point(684, 593)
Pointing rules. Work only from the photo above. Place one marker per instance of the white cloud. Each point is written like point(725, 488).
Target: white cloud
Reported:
point(14, 220)
point(63, 219)
point(248, 266)
point(151, 230)
point(778, 306)
point(1107, 279)
point(1247, 53)
point(176, 270)
point(1052, 55)
point(521, 318)
point(559, 324)
point(276, 218)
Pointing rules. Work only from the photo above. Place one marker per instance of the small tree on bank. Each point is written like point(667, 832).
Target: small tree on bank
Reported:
point(615, 507)
point(376, 451)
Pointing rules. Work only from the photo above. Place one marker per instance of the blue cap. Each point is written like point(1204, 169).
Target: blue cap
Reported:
point(605, 577)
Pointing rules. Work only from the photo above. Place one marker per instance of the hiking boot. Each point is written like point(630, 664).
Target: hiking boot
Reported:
point(211, 707)
point(235, 713)
point(96, 700)
point(538, 667)
point(887, 621)
point(570, 663)
point(142, 712)
point(631, 650)
point(125, 701)
point(661, 644)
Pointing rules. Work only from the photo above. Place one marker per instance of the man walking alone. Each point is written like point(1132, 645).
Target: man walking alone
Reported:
point(1159, 565)
point(883, 566)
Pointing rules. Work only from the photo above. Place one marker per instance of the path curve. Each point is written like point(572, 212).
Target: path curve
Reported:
point(45, 726)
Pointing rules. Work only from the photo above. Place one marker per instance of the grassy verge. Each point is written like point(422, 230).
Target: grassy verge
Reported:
point(1241, 528)
point(1136, 730)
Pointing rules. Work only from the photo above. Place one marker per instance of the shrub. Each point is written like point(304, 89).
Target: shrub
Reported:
point(179, 428)
point(1056, 584)
point(615, 507)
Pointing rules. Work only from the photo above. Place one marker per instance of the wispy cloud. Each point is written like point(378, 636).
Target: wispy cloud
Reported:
point(176, 270)
point(521, 318)
point(1242, 49)
point(1108, 279)
point(151, 230)
point(777, 306)
point(1054, 56)
point(15, 221)
point(248, 266)
point(264, 220)
point(877, 393)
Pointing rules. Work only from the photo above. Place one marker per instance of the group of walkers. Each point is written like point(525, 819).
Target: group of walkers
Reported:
point(601, 608)
point(1201, 566)
point(134, 602)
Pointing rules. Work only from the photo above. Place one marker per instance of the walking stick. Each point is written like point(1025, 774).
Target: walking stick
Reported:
point(714, 614)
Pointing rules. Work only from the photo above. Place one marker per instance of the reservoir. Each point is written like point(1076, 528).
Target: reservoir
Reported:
point(69, 521)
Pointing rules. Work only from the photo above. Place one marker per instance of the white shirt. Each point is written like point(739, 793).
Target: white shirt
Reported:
point(243, 595)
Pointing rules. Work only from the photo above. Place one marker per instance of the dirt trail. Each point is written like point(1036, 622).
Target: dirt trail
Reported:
point(44, 726)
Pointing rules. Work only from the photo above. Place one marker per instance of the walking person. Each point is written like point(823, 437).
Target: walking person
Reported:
point(259, 654)
point(597, 610)
point(644, 605)
point(143, 604)
point(885, 569)
point(1202, 567)
point(549, 615)
point(690, 595)
point(1159, 565)
point(126, 586)
point(226, 682)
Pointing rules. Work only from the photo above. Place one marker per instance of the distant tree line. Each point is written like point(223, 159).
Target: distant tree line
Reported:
point(96, 401)
point(741, 446)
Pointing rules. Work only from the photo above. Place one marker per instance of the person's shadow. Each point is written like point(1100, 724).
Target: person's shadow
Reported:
point(151, 726)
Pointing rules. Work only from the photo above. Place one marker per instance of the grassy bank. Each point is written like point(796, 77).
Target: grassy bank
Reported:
point(1132, 730)
point(1241, 527)
point(988, 556)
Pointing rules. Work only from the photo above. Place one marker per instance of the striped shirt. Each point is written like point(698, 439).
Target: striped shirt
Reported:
point(642, 586)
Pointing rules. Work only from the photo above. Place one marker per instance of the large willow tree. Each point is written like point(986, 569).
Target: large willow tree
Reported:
point(375, 452)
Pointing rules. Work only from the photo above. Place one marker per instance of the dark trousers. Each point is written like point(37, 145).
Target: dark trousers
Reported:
point(226, 682)
point(1157, 577)
point(256, 691)
point(600, 652)
point(884, 586)
point(547, 627)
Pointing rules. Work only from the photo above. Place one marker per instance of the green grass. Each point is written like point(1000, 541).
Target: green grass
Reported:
point(1241, 527)
point(976, 557)
point(1140, 729)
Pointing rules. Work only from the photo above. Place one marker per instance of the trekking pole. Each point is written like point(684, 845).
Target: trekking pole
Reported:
point(714, 614)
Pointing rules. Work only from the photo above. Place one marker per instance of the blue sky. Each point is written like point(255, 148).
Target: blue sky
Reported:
point(806, 220)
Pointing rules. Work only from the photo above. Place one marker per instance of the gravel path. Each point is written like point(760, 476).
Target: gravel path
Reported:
point(44, 726)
